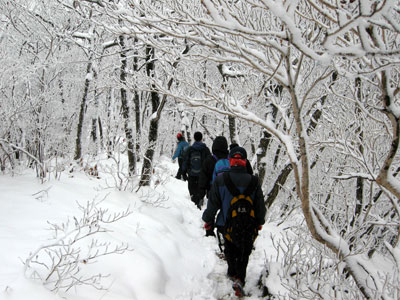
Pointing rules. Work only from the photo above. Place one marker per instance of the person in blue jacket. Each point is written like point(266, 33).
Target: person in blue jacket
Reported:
point(179, 154)
point(220, 201)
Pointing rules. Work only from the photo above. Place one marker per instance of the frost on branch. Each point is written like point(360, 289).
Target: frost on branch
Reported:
point(64, 262)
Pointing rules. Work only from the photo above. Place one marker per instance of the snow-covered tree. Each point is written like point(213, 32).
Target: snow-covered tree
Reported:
point(302, 46)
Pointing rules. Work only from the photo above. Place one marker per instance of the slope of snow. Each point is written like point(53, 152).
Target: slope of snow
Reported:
point(170, 257)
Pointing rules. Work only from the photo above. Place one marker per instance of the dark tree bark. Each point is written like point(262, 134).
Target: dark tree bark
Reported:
point(263, 148)
point(232, 129)
point(153, 130)
point(125, 107)
point(261, 153)
point(78, 141)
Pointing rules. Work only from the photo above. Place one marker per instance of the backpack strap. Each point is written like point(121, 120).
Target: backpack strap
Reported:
point(234, 190)
point(252, 186)
point(229, 185)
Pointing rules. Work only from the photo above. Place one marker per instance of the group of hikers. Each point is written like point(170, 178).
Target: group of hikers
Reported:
point(225, 177)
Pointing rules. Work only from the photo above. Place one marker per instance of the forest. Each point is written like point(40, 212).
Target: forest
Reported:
point(309, 87)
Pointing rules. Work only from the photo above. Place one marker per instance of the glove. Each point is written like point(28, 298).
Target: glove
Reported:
point(259, 227)
point(184, 177)
point(209, 227)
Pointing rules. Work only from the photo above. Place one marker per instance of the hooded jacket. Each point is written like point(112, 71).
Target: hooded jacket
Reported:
point(219, 150)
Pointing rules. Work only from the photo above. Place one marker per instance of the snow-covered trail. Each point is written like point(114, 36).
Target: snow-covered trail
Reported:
point(171, 257)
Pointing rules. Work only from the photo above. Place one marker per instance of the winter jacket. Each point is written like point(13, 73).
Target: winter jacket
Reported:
point(220, 197)
point(219, 150)
point(197, 146)
point(206, 174)
point(249, 168)
point(179, 149)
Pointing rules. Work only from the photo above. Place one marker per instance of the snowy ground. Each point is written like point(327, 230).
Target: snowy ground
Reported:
point(171, 257)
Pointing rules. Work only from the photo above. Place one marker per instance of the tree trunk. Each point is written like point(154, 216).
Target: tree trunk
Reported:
point(153, 130)
point(136, 102)
point(78, 141)
point(97, 143)
point(261, 153)
point(125, 108)
point(359, 181)
point(232, 129)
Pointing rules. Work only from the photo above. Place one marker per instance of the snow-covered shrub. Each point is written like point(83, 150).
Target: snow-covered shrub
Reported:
point(62, 263)
point(303, 269)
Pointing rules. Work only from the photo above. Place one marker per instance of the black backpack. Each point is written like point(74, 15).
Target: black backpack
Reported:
point(195, 162)
point(241, 225)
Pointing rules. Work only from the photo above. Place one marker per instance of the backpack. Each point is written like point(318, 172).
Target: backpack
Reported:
point(196, 161)
point(222, 165)
point(241, 226)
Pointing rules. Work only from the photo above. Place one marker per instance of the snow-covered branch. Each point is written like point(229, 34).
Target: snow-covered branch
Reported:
point(59, 264)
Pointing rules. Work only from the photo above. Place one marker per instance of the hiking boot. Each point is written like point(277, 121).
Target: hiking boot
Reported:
point(238, 288)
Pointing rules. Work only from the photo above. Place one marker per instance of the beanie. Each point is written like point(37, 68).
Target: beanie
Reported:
point(238, 152)
point(220, 146)
point(233, 145)
point(198, 136)
point(179, 136)
point(237, 157)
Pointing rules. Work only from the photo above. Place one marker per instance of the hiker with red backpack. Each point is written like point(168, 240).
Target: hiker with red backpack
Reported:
point(239, 199)
point(179, 154)
point(192, 166)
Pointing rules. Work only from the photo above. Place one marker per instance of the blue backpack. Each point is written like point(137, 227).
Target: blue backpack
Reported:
point(222, 165)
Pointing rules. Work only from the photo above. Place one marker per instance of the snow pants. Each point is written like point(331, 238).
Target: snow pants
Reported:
point(179, 174)
point(237, 260)
point(193, 186)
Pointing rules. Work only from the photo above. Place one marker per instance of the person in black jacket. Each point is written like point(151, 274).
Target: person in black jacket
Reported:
point(192, 165)
point(219, 150)
point(220, 199)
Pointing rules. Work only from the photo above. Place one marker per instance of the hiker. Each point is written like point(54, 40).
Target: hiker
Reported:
point(227, 196)
point(192, 165)
point(179, 153)
point(219, 151)
point(248, 164)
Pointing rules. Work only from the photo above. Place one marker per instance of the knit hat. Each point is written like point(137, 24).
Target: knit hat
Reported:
point(233, 145)
point(179, 136)
point(198, 136)
point(238, 152)
point(238, 156)
point(220, 146)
